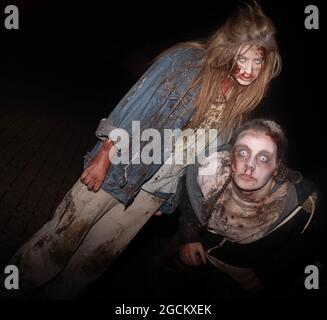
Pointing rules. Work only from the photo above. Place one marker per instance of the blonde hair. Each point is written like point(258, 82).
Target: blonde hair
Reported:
point(248, 27)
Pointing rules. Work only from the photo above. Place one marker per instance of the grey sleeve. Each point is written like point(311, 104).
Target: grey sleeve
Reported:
point(172, 202)
point(190, 202)
point(193, 190)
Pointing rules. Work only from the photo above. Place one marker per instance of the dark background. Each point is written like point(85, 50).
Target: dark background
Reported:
point(70, 63)
point(93, 52)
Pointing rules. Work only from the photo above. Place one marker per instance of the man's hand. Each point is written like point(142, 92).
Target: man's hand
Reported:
point(94, 175)
point(192, 254)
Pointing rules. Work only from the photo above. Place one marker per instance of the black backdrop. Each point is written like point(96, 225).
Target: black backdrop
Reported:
point(94, 51)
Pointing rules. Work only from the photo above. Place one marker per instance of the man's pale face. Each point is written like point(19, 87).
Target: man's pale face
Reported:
point(249, 62)
point(254, 160)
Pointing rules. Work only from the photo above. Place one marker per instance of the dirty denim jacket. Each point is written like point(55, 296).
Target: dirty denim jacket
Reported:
point(151, 101)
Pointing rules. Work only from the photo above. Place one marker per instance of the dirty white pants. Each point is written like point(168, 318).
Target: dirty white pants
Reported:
point(87, 232)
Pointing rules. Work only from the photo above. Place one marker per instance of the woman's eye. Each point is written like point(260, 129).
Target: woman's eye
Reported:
point(263, 158)
point(258, 61)
point(241, 59)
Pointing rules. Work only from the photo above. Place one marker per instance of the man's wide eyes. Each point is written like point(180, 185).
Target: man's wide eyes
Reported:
point(243, 153)
point(263, 158)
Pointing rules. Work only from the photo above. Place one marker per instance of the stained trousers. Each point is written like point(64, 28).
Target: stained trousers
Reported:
point(87, 232)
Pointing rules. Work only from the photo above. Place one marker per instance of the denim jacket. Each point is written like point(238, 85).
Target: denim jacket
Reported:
point(151, 101)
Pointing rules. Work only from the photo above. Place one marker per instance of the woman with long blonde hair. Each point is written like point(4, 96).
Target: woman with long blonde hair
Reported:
point(223, 64)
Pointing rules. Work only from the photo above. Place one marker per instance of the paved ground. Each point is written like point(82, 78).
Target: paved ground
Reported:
point(41, 156)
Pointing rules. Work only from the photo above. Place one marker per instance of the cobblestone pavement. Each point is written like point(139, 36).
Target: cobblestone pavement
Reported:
point(41, 155)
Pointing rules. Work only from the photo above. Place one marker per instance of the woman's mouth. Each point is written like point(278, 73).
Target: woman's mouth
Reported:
point(247, 177)
point(246, 78)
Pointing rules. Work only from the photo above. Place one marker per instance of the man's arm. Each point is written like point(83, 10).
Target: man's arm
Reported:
point(191, 250)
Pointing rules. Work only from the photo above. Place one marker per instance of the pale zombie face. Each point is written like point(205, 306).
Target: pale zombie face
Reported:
point(249, 61)
point(254, 160)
